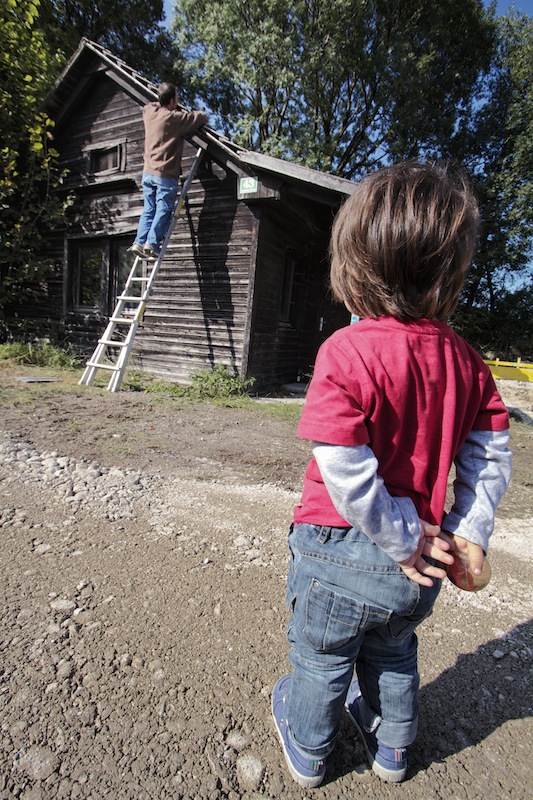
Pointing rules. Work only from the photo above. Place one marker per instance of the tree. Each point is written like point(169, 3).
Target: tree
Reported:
point(28, 175)
point(131, 30)
point(347, 85)
point(338, 85)
point(495, 142)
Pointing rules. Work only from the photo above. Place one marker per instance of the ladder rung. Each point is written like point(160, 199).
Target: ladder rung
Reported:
point(112, 342)
point(130, 298)
point(124, 320)
point(139, 280)
point(101, 366)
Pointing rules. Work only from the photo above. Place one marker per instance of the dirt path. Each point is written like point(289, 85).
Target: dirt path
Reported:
point(143, 625)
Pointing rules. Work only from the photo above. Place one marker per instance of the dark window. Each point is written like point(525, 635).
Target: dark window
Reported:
point(120, 265)
point(286, 314)
point(97, 272)
point(122, 262)
point(107, 159)
point(87, 276)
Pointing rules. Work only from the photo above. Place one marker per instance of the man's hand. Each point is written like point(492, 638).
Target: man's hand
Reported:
point(432, 545)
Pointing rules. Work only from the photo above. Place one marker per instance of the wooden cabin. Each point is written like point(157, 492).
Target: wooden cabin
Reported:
point(244, 278)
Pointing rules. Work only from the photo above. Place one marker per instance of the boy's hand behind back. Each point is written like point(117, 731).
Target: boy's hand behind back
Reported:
point(473, 552)
point(432, 545)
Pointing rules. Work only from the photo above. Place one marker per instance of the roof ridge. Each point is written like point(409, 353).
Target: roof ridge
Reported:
point(120, 63)
point(249, 160)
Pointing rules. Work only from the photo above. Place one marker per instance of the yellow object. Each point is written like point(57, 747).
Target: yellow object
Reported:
point(511, 370)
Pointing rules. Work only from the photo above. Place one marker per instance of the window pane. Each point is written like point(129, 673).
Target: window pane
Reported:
point(102, 160)
point(124, 266)
point(89, 276)
point(287, 289)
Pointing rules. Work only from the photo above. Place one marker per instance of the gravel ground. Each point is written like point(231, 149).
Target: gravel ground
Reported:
point(143, 625)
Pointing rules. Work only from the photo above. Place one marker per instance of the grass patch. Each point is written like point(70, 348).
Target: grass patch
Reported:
point(217, 383)
point(286, 412)
point(208, 384)
point(216, 386)
point(39, 354)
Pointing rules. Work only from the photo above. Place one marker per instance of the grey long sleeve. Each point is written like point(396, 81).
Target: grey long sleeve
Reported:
point(483, 470)
point(359, 495)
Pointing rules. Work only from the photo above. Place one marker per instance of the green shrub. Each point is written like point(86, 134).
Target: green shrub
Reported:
point(209, 384)
point(39, 354)
point(218, 384)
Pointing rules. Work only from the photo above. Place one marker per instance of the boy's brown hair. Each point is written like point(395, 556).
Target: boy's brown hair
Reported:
point(402, 242)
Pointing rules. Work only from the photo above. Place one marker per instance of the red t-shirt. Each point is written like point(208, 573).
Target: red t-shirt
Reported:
point(411, 391)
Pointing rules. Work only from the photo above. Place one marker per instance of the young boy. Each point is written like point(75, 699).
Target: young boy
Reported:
point(395, 399)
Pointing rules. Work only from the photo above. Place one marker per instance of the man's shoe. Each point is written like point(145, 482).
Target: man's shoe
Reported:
point(137, 248)
point(149, 253)
point(308, 772)
point(390, 763)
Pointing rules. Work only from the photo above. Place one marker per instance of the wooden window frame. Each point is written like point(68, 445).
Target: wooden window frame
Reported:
point(116, 150)
point(111, 284)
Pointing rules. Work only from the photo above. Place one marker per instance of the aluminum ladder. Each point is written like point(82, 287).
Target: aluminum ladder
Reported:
point(114, 347)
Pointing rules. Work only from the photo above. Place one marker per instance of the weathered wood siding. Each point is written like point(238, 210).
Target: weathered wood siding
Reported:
point(197, 314)
point(106, 204)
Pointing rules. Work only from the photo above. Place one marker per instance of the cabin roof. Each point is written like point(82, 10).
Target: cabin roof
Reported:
point(91, 59)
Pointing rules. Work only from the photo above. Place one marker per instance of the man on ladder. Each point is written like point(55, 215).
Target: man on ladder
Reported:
point(165, 127)
point(113, 348)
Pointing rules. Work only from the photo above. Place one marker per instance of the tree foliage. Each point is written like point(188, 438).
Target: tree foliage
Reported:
point(338, 85)
point(348, 85)
point(28, 175)
point(131, 30)
point(495, 143)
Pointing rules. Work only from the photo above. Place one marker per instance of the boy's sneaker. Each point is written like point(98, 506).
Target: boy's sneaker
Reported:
point(149, 253)
point(308, 772)
point(390, 763)
point(137, 248)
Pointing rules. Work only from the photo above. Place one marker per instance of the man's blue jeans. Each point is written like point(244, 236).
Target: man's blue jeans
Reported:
point(351, 605)
point(159, 198)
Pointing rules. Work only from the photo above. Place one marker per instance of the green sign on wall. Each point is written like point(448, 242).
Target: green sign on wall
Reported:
point(248, 185)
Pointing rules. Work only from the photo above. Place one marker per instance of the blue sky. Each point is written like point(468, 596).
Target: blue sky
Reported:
point(502, 6)
point(521, 5)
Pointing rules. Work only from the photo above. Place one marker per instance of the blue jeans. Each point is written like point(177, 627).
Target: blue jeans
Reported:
point(351, 606)
point(159, 198)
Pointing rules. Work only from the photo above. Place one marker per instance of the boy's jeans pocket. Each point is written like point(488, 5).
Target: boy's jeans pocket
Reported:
point(332, 619)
